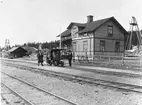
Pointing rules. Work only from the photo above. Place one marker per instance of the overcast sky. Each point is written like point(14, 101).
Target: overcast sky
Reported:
point(23, 21)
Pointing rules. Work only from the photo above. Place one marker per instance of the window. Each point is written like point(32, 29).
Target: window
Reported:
point(74, 31)
point(85, 45)
point(110, 30)
point(102, 45)
point(74, 46)
point(117, 46)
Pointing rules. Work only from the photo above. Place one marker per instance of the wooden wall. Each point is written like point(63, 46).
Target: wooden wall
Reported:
point(102, 34)
point(79, 45)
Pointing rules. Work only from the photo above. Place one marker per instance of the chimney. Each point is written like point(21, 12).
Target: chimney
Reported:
point(89, 18)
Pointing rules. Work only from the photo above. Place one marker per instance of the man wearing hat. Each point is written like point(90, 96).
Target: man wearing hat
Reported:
point(70, 58)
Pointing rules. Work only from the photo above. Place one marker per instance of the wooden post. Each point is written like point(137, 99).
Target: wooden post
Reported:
point(109, 59)
point(123, 59)
point(60, 39)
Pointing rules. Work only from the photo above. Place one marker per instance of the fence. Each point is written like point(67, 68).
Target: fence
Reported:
point(120, 62)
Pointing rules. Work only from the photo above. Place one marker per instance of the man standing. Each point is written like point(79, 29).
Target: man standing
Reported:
point(70, 58)
point(40, 58)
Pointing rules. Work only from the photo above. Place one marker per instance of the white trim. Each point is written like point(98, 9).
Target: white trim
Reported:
point(83, 37)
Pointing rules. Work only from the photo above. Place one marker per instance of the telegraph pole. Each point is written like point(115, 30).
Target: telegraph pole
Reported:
point(60, 39)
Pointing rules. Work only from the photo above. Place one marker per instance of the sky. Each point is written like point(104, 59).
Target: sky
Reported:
point(23, 21)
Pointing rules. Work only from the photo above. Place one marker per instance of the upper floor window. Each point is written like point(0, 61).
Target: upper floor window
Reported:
point(117, 46)
point(102, 45)
point(85, 45)
point(110, 30)
point(74, 31)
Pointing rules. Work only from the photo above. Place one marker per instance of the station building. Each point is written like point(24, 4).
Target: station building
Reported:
point(99, 37)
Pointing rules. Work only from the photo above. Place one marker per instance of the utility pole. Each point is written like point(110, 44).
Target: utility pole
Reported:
point(60, 39)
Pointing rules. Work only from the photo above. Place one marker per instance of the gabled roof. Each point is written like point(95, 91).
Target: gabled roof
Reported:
point(96, 24)
point(12, 49)
point(15, 48)
point(28, 48)
point(77, 24)
point(65, 33)
point(91, 26)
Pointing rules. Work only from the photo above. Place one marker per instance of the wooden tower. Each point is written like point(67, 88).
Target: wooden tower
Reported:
point(134, 28)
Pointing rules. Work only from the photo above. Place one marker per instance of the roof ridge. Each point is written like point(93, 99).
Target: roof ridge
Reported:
point(95, 24)
point(103, 19)
point(78, 23)
point(95, 20)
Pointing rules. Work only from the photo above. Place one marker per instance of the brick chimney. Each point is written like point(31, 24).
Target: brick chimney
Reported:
point(89, 18)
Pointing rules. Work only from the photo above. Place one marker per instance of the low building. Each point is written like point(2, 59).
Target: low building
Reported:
point(100, 37)
point(17, 52)
point(30, 50)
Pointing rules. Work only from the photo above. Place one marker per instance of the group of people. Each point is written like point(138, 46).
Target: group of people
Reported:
point(40, 56)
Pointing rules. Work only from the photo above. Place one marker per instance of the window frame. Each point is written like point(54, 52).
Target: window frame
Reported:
point(117, 46)
point(110, 30)
point(102, 45)
point(74, 48)
point(74, 31)
point(84, 44)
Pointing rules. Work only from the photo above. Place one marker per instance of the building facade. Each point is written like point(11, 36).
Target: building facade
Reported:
point(17, 52)
point(101, 37)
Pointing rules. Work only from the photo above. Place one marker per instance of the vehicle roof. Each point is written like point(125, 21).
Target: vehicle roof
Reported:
point(57, 49)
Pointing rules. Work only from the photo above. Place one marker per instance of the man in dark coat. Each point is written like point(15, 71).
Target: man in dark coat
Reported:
point(40, 58)
point(70, 58)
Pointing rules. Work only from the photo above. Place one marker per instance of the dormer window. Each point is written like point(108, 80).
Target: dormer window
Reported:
point(74, 31)
point(110, 30)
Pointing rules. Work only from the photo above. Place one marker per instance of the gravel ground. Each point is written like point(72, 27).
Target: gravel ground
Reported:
point(8, 98)
point(78, 92)
point(31, 94)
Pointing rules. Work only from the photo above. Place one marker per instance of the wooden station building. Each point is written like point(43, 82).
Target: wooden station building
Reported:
point(100, 37)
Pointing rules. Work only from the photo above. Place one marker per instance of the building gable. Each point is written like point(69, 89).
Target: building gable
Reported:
point(92, 26)
point(103, 30)
point(74, 31)
point(77, 24)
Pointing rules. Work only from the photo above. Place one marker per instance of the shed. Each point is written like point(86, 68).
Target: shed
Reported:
point(17, 52)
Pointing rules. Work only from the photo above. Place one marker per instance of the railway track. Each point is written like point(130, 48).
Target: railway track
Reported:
point(118, 74)
point(32, 95)
point(117, 85)
point(10, 97)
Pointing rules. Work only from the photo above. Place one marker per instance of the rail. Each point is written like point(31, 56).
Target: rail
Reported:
point(25, 100)
point(118, 85)
point(40, 89)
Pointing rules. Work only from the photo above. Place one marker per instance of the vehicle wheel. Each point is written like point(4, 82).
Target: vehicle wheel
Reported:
point(50, 64)
point(62, 64)
point(55, 63)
